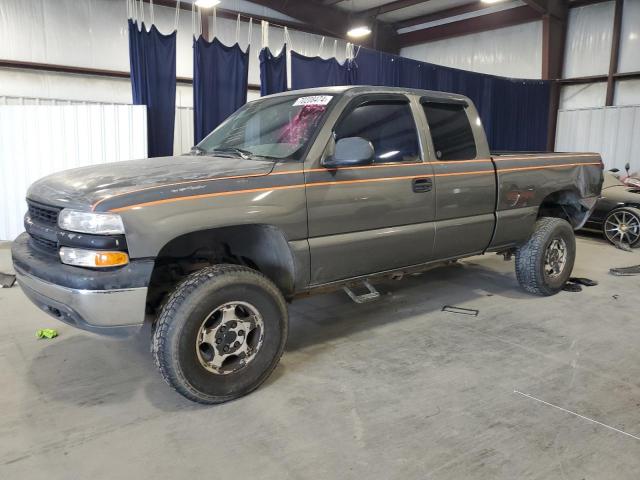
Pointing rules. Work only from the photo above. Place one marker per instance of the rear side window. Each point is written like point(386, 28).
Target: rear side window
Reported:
point(389, 126)
point(451, 131)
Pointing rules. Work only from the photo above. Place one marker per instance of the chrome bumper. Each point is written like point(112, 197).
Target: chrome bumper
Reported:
point(110, 312)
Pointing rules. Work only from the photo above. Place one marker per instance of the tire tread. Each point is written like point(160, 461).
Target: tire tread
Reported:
point(159, 348)
point(528, 255)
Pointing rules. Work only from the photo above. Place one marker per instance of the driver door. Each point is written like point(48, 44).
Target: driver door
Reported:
point(379, 216)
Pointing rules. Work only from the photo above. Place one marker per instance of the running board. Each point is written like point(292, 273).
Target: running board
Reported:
point(365, 297)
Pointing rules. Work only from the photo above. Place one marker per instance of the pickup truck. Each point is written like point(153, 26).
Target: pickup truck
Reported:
point(295, 193)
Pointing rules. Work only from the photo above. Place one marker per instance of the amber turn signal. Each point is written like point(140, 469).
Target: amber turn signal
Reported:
point(92, 258)
point(111, 259)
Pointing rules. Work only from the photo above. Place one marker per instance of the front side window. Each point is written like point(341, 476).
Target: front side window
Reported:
point(451, 131)
point(389, 126)
point(277, 128)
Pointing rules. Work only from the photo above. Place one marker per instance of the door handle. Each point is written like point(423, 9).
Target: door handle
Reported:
point(420, 185)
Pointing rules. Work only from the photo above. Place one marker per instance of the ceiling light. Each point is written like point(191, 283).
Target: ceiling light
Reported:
point(492, 1)
point(358, 32)
point(207, 3)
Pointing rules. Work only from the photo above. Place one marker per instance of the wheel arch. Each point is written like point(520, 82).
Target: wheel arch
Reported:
point(259, 246)
point(567, 204)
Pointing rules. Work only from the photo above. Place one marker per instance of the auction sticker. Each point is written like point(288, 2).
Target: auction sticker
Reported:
point(313, 100)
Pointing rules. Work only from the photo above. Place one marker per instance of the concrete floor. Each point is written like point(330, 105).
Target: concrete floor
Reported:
point(395, 389)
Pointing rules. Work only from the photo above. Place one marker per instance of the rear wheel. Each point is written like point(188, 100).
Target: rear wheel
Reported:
point(220, 334)
point(623, 225)
point(545, 262)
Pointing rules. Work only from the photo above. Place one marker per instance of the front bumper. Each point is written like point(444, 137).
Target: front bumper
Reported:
point(106, 302)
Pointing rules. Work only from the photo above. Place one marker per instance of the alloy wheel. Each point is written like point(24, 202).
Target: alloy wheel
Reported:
point(230, 338)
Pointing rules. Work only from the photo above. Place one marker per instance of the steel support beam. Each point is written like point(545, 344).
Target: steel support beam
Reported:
point(335, 21)
point(505, 18)
point(244, 17)
point(554, 31)
point(48, 67)
point(555, 8)
point(392, 7)
point(449, 12)
point(615, 52)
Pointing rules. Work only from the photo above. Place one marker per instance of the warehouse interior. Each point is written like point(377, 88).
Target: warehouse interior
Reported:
point(445, 371)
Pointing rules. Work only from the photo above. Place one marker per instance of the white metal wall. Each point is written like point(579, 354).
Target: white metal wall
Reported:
point(588, 46)
point(584, 123)
point(614, 132)
point(510, 52)
point(588, 50)
point(183, 131)
point(41, 139)
point(93, 33)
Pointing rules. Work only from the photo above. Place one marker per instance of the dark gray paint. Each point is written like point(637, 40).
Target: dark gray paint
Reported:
point(333, 231)
point(83, 187)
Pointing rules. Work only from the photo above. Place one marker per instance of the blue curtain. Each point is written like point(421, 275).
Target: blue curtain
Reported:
point(520, 114)
point(152, 59)
point(220, 81)
point(309, 72)
point(515, 113)
point(377, 68)
point(273, 71)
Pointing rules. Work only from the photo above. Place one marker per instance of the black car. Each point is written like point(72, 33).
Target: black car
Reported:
point(617, 213)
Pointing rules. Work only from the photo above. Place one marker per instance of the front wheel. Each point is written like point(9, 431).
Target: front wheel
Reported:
point(623, 225)
point(545, 262)
point(220, 334)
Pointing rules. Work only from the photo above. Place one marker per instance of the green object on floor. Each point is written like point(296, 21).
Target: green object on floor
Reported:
point(47, 333)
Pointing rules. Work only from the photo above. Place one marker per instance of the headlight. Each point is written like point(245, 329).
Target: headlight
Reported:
point(90, 222)
point(92, 258)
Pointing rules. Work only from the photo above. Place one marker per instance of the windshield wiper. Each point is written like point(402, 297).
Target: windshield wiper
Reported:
point(245, 154)
point(196, 150)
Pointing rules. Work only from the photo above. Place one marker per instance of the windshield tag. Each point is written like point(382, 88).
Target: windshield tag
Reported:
point(314, 100)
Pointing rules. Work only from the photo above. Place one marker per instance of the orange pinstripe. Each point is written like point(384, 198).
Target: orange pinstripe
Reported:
point(344, 182)
point(291, 172)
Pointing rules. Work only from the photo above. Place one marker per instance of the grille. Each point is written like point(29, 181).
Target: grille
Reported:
point(43, 213)
point(45, 243)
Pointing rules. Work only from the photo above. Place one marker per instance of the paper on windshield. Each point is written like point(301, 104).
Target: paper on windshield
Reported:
point(313, 100)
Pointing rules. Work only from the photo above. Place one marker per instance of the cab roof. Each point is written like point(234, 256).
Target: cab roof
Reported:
point(353, 90)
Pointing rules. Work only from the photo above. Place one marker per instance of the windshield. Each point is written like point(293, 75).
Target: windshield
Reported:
point(276, 128)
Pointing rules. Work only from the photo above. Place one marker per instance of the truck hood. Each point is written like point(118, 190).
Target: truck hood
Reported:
point(84, 186)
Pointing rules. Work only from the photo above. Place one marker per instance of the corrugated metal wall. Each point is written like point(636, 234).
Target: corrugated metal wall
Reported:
point(509, 52)
point(37, 140)
point(183, 131)
point(614, 132)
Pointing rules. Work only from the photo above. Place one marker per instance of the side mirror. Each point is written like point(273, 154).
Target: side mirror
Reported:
point(627, 167)
point(351, 151)
point(614, 170)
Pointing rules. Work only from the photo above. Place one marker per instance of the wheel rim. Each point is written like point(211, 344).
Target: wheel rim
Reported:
point(555, 258)
point(622, 226)
point(230, 338)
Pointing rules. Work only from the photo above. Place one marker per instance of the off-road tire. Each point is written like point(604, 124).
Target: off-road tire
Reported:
point(530, 257)
point(174, 338)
